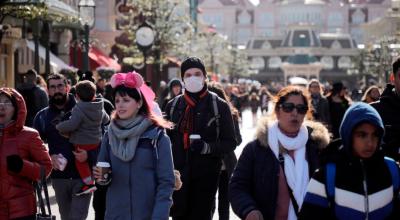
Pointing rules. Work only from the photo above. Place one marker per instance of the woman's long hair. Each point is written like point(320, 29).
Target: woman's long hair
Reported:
point(367, 92)
point(144, 109)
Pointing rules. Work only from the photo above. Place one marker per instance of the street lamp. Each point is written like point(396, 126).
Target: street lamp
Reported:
point(145, 37)
point(86, 13)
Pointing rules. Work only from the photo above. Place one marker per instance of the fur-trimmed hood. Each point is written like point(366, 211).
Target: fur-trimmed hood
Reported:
point(319, 133)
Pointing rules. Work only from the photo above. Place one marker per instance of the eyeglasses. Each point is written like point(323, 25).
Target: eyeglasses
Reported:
point(6, 104)
point(289, 107)
point(59, 86)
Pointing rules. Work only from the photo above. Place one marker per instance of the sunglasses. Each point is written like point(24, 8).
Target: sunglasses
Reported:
point(289, 107)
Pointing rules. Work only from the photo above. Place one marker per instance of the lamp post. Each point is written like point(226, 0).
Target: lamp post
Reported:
point(145, 37)
point(87, 18)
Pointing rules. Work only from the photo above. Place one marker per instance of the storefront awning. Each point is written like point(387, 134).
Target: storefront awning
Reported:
point(57, 6)
point(97, 59)
point(56, 63)
point(103, 60)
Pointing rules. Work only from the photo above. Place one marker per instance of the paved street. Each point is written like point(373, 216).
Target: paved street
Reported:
point(247, 131)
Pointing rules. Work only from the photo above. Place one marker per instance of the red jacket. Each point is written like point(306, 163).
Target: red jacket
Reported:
point(17, 194)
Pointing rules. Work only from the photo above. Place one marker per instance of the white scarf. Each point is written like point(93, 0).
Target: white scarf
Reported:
point(296, 171)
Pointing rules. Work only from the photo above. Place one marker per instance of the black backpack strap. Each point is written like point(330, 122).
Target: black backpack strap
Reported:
point(154, 142)
point(173, 105)
point(216, 113)
point(294, 202)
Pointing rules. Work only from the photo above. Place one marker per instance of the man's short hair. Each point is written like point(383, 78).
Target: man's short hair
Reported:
point(56, 76)
point(31, 76)
point(396, 65)
point(85, 90)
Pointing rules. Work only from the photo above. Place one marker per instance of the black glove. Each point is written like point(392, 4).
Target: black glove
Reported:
point(14, 163)
point(200, 147)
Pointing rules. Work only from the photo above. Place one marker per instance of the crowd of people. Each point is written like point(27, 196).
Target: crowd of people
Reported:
point(316, 154)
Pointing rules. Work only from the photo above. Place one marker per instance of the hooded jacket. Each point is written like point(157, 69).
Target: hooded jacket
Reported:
point(254, 183)
point(17, 195)
point(388, 107)
point(363, 187)
point(85, 124)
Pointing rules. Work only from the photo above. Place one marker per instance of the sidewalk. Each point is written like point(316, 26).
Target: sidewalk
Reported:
point(54, 208)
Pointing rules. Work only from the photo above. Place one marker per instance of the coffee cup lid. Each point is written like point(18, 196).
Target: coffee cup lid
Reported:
point(194, 136)
point(103, 164)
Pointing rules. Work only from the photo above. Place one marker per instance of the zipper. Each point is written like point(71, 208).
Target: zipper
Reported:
point(130, 191)
point(366, 201)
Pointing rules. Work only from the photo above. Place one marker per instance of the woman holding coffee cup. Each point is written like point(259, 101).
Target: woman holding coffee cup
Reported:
point(137, 153)
point(23, 157)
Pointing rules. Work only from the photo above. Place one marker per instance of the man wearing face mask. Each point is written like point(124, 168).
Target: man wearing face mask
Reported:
point(203, 134)
point(388, 107)
point(65, 177)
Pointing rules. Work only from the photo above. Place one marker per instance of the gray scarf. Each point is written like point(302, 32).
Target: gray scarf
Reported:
point(123, 136)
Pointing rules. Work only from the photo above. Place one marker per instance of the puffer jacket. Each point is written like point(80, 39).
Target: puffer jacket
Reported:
point(254, 183)
point(363, 187)
point(17, 197)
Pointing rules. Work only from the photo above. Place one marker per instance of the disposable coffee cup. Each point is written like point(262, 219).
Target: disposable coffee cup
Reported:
point(193, 137)
point(105, 169)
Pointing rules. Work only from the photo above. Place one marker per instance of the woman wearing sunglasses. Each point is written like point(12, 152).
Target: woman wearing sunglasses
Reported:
point(271, 177)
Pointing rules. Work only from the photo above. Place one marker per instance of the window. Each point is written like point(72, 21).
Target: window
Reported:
point(335, 19)
point(266, 20)
point(244, 17)
point(327, 62)
point(266, 45)
point(257, 63)
point(358, 17)
point(344, 62)
point(274, 62)
point(336, 45)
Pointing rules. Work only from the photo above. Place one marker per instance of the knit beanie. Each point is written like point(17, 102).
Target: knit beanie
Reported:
point(192, 62)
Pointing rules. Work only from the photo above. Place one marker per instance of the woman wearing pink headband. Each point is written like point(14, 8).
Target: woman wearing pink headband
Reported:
point(139, 153)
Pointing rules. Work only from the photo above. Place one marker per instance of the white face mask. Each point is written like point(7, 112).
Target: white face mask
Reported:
point(194, 84)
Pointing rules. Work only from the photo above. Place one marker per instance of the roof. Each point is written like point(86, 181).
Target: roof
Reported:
point(298, 37)
point(329, 39)
point(261, 43)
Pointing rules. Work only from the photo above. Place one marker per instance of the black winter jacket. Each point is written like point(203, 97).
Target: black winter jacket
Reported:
point(254, 184)
point(388, 107)
point(192, 165)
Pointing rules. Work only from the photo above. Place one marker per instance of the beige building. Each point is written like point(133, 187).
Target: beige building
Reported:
point(17, 45)
point(302, 52)
point(240, 20)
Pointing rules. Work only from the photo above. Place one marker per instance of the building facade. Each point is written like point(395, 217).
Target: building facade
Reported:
point(302, 52)
point(240, 20)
